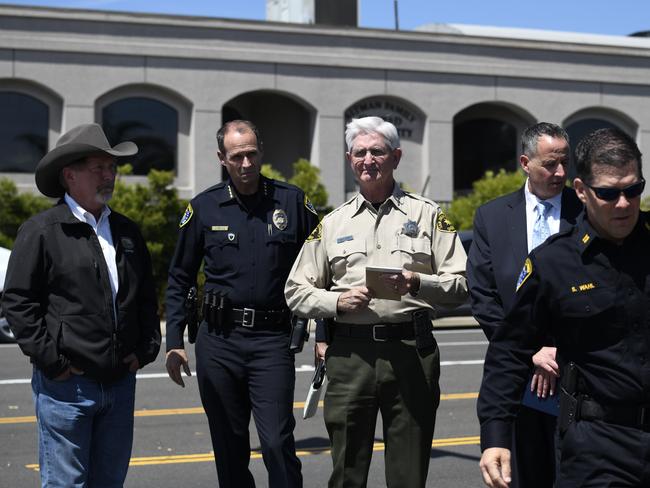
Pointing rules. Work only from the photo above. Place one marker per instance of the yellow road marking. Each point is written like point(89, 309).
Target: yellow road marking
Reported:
point(199, 410)
point(209, 456)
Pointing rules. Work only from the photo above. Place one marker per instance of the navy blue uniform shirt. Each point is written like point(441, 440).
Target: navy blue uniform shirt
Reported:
point(248, 243)
point(593, 297)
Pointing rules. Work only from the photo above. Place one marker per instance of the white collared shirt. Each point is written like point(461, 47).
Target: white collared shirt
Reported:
point(553, 217)
point(103, 230)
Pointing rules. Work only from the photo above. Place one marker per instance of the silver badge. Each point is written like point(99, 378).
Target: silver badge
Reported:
point(280, 219)
point(231, 236)
point(410, 229)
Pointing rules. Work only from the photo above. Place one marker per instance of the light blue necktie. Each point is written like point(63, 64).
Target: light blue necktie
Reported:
point(541, 230)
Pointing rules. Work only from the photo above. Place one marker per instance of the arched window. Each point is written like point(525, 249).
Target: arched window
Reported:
point(151, 124)
point(577, 130)
point(24, 125)
point(486, 137)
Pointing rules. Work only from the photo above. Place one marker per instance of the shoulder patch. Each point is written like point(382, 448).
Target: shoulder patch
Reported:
point(443, 224)
point(310, 206)
point(189, 211)
point(316, 234)
point(525, 273)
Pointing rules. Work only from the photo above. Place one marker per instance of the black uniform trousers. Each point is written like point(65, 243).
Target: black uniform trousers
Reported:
point(240, 370)
point(534, 452)
point(603, 455)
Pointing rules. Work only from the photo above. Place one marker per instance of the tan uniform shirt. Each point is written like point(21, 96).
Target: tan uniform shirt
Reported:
point(408, 232)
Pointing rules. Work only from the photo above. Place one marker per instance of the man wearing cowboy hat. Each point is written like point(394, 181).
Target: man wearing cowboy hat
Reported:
point(80, 299)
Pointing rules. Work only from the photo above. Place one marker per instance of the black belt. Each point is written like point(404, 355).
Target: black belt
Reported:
point(253, 319)
point(375, 332)
point(637, 416)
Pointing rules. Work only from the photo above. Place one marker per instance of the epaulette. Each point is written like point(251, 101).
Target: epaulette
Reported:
point(416, 196)
point(218, 186)
point(343, 205)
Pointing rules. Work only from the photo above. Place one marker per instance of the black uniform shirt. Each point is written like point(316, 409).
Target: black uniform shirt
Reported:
point(593, 297)
point(249, 245)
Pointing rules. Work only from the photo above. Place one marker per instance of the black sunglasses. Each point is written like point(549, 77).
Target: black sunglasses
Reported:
point(611, 194)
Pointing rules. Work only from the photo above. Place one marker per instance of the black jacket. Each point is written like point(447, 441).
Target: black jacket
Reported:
point(498, 252)
point(58, 298)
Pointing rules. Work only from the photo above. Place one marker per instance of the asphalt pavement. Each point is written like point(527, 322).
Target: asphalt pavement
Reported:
point(172, 442)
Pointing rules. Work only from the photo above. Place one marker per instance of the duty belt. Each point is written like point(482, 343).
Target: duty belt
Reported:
point(375, 332)
point(637, 416)
point(251, 318)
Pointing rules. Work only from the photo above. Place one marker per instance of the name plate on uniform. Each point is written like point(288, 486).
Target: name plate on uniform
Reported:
point(376, 284)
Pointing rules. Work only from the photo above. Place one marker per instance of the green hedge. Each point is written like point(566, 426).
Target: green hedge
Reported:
point(461, 210)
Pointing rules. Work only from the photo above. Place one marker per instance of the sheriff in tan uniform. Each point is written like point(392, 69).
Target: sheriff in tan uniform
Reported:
point(374, 362)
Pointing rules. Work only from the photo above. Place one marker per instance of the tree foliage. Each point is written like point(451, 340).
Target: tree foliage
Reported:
point(15, 208)
point(156, 208)
point(307, 178)
point(461, 210)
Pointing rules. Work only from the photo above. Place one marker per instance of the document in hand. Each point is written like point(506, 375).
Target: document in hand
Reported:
point(315, 389)
point(377, 286)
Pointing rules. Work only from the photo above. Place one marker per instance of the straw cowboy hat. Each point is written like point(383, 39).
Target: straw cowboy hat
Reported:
point(75, 144)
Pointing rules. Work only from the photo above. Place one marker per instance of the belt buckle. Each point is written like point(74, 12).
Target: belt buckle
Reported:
point(374, 333)
point(248, 317)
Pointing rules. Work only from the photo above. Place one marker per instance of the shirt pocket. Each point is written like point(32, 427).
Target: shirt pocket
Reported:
point(348, 254)
point(591, 319)
point(282, 249)
point(222, 240)
point(414, 253)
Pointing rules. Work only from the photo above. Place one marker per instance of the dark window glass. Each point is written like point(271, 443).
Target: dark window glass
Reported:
point(481, 145)
point(581, 128)
point(151, 124)
point(24, 123)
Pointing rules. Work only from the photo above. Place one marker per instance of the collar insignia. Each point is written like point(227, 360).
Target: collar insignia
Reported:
point(585, 238)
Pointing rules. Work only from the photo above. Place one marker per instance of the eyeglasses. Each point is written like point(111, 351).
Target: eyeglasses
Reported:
point(611, 194)
point(375, 152)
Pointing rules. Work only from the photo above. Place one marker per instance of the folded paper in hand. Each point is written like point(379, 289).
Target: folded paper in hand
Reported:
point(376, 284)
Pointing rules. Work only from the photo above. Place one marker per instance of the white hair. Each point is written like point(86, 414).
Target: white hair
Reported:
point(371, 125)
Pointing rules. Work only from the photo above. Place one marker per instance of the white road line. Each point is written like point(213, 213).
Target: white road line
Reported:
point(304, 368)
point(466, 343)
point(461, 363)
point(476, 330)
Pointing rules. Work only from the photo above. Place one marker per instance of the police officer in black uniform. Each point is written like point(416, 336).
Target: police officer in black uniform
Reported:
point(248, 230)
point(589, 288)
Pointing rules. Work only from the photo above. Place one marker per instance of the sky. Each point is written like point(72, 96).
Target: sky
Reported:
point(619, 17)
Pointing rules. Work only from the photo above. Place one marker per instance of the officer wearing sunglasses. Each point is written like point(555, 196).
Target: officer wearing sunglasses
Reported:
point(588, 288)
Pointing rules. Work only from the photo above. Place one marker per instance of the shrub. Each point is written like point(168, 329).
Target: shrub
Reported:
point(156, 208)
point(461, 210)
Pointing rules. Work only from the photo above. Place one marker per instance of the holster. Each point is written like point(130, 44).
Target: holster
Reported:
point(192, 314)
point(423, 330)
point(569, 398)
point(299, 333)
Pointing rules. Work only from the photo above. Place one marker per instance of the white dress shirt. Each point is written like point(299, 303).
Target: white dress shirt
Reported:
point(103, 230)
point(553, 217)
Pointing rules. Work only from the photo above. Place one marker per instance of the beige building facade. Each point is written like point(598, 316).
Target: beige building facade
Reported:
point(459, 96)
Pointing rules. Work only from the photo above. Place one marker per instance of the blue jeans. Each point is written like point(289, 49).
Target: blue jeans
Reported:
point(85, 430)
